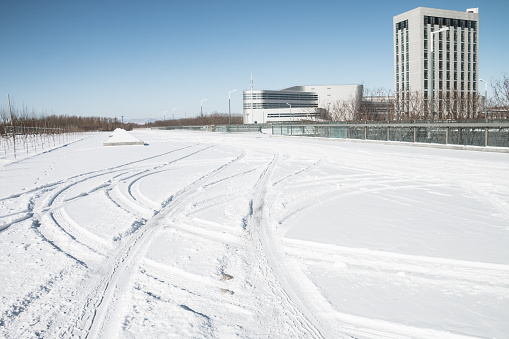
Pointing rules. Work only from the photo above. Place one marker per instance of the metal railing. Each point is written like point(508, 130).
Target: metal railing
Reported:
point(494, 134)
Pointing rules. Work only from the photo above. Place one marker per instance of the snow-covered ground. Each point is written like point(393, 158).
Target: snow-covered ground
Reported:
point(208, 235)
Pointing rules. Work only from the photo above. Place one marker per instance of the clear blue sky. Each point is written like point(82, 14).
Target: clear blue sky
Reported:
point(142, 58)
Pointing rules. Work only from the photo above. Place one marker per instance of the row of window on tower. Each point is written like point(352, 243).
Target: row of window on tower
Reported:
point(403, 55)
point(433, 20)
point(468, 61)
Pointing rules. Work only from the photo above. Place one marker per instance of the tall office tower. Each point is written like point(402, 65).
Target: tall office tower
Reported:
point(447, 87)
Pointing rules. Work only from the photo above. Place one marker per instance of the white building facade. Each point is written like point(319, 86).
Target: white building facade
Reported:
point(456, 57)
point(296, 103)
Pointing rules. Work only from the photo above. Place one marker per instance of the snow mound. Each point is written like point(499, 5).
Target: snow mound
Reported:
point(122, 137)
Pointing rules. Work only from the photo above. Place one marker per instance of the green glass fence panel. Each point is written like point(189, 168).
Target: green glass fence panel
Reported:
point(308, 130)
point(338, 132)
point(401, 134)
point(498, 137)
point(376, 133)
point(322, 131)
point(467, 136)
point(356, 132)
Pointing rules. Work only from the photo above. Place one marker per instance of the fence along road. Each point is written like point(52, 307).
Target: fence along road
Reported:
point(493, 134)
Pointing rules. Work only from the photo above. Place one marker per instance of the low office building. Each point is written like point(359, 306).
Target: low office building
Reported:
point(298, 103)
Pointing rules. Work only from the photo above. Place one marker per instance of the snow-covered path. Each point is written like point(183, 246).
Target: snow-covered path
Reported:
point(208, 235)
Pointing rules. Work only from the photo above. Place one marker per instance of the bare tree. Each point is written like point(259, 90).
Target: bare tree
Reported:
point(498, 103)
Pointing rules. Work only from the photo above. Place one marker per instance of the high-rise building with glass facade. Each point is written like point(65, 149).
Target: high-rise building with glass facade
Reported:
point(456, 61)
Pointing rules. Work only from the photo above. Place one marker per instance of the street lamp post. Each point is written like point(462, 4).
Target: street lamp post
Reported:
point(201, 106)
point(290, 110)
point(485, 98)
point(229, 107)
point(432, 67)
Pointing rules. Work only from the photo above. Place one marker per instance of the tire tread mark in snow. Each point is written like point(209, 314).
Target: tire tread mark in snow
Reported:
point(101, 171)
point(35, 227)
point(93, 322)
point(258, 226)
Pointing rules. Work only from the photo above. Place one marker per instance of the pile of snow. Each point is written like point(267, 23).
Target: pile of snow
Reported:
point(122, 137)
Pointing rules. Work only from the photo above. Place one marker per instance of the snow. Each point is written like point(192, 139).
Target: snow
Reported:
point(211, 235)
point(120, 137)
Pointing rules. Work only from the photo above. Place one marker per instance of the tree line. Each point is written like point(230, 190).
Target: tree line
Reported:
point(383, 105)
point(214, 118)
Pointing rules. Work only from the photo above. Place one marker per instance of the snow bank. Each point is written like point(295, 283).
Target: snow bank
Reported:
point(121, 137)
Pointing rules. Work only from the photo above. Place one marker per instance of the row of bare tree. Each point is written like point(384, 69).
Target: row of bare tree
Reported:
point(383, 105)
point(211, 119)
point(25, 119)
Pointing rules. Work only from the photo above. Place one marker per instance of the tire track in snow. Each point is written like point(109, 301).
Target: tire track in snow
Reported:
point(96, 318)
point(461, 274)
point(271, 262)
point(51, 186)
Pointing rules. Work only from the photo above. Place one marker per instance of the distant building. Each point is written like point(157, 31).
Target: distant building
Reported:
point(377, 108)
point(296, 103)
point(456, 59)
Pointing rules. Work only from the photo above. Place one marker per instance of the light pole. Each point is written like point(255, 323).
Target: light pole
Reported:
point(432, 67)
point(485, 98)
point(229, 107)
point(290, 110)
point(201, 106)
